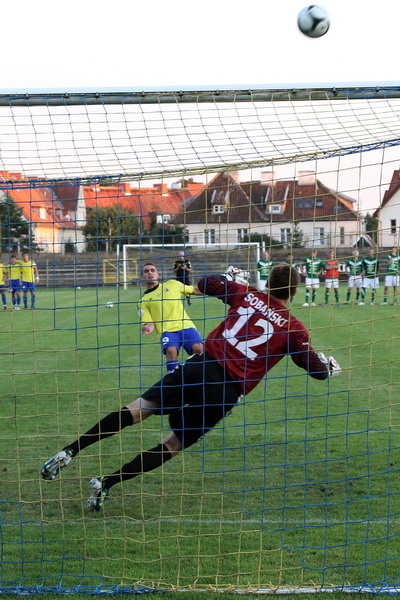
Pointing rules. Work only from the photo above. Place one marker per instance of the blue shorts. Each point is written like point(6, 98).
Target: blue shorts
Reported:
point(15, 285)
point(28, 286)
point(184, 338)
point(3, 289)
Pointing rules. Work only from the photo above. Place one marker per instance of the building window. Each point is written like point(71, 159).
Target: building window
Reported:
point(319, 236)
point(319, 202)
point(163, 218)
point(242, 234)
point(220, 197)
point(286, 236)
point(218, 209)
point(274, 208)
point(304, 202)
point(393, 226)
point(209, 236)
point(341, 236)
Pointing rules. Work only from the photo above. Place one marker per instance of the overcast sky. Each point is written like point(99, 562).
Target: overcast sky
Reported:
point(138, 43)
point(160, 44)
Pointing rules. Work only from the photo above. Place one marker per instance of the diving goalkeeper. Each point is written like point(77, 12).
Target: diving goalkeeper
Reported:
point(256, 334)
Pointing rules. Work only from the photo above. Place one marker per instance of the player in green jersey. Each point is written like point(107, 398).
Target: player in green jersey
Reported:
point(312, 268)
point(392, 276)
point(290, 261)
point(370, 270)
point(264, 267)
point(354, 269)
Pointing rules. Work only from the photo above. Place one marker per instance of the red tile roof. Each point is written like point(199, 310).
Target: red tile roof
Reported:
point(38, 204)
point(142, 201)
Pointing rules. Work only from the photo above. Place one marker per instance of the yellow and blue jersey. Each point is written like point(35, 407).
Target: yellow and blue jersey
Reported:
point(14, 271)
point(28, 270)
point(3, 271)
point(163, 306)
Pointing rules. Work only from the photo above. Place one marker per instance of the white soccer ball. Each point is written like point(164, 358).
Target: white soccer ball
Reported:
point(109, 304)
point(313, 21)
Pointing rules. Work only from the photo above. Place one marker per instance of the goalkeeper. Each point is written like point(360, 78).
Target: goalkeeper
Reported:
point(256, 334)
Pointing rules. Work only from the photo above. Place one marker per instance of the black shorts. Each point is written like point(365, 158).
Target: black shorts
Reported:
point(195, 396)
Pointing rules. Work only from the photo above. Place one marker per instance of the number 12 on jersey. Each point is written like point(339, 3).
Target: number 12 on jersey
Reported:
point(246, 345)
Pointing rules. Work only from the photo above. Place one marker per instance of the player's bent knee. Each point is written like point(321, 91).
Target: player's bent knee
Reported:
point(173, 443)
point(197, 349)
point(141, 409)
point(171, 353)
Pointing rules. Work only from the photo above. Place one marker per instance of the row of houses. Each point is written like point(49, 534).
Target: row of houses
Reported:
point(225, 210)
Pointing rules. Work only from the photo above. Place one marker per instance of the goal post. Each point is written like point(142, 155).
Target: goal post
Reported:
point(247, 260)
point(297, 489)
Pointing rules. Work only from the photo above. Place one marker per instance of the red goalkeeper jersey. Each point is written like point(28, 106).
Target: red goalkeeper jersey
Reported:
point(331, 269)
point(256, 334)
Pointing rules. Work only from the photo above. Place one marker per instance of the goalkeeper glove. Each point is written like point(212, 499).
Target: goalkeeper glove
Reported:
point(237, 275)
point(332, 365)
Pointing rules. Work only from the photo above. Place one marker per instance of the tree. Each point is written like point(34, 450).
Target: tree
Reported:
point(15, 231)
point(371, 226)
point(297, 236)
point(164, 233)
point(185, 181)
point(262, 238)
point(108, 226)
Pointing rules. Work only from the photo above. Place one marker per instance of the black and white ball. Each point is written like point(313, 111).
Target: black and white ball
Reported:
point(313, 21)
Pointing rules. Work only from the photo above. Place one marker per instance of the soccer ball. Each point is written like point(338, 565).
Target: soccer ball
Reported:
point(313, 21)
point(109, 304)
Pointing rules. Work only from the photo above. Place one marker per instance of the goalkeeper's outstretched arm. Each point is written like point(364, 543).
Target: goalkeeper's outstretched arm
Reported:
point(220, 287)
point(318, 366)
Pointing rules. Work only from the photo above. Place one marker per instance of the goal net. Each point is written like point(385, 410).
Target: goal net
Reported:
point(295, 490)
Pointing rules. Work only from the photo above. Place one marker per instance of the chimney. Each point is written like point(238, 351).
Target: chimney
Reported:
point(306, 178)
point(124, 188)
point(162, 188)
point(268, 178)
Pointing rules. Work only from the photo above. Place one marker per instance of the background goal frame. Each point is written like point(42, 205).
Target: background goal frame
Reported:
point(208, 247)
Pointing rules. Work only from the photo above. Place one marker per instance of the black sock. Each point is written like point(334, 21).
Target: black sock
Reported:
point(111, 424)
point(144, 462)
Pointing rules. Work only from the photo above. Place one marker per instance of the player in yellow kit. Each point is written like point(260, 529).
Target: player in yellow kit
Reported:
point(14, 281)
point(29, 276)
point(161, 309)
point(3, 287)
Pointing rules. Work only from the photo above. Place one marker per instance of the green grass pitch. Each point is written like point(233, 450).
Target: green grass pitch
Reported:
point(300, 484)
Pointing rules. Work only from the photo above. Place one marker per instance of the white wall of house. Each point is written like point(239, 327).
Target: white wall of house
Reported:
point(323, 234)
point(81, 214)
point(47, 238)
point(389, 223)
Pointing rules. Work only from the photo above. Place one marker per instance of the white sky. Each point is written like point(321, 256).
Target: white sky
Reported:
point(88, 44)
point(136, 43)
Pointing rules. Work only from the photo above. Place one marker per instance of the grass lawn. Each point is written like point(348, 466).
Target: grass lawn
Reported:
point(300, 485)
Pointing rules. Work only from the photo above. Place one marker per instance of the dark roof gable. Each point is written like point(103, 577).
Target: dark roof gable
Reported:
point(256, 202)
